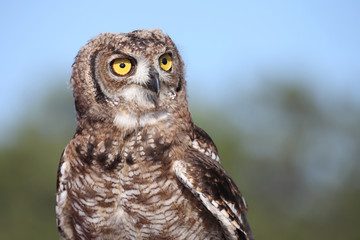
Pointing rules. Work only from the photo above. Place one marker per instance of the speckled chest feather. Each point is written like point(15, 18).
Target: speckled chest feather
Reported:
point(124, 189)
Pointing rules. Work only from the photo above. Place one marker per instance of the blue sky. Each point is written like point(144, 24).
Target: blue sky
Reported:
point(225, 44)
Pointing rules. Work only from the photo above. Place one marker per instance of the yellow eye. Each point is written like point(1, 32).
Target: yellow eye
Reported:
point(121, 66)
point(165, 62)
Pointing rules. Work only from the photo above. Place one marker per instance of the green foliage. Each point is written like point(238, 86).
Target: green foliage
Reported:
point(27, 177)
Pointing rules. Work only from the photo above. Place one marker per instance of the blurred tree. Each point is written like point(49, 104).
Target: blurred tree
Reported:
point(28, 169)
point(302, 153)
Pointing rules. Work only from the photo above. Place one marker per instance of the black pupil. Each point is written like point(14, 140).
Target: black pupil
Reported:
point(164, 61)
point(122, 65)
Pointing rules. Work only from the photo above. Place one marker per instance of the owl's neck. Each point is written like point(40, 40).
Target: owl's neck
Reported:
point(123, 122)
point(128, 121)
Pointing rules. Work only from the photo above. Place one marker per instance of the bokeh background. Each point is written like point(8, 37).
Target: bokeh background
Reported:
point(275, 83)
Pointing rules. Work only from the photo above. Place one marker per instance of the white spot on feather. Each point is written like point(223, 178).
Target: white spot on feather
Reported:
point(232, 207)
point(195, 144)
point(64, 169)
point(93, 220)
point(102, 149)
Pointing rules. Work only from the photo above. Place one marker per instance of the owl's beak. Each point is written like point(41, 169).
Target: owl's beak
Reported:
point(154, 83)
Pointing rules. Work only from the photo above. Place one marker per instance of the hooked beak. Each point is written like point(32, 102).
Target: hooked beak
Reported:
point(154, 83)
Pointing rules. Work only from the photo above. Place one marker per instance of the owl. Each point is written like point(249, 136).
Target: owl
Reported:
point(137, 166)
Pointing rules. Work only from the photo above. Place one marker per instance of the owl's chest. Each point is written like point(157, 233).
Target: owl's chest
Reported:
point(146, 180)
point(140, 198)
point(149, 198)
point(153, 204)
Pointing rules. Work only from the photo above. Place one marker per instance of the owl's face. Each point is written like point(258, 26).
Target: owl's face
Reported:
point(122, 76)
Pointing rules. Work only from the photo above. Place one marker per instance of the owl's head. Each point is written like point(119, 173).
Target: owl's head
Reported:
point(129, 79)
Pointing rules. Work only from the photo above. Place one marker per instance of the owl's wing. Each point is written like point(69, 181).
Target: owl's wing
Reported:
point(209, 182)
point(203, 143)
point(61, 197)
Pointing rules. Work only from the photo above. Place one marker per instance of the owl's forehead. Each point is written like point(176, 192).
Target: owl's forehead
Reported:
point(140, 42)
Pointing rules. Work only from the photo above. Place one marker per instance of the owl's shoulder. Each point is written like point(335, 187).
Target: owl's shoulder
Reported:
point(202, 142)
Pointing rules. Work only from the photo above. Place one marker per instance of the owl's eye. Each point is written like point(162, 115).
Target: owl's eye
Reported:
point(121, 66)
point(165, 62)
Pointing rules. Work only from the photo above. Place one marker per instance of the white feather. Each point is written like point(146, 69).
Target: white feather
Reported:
point(152, 118)
point(136, 93)
point(142, 70)
point(125, 120)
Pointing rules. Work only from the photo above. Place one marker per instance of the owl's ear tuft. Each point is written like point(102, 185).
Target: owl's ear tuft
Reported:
point(157, 31)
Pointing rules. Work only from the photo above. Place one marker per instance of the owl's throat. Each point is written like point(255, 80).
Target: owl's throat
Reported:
point(129, 121)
